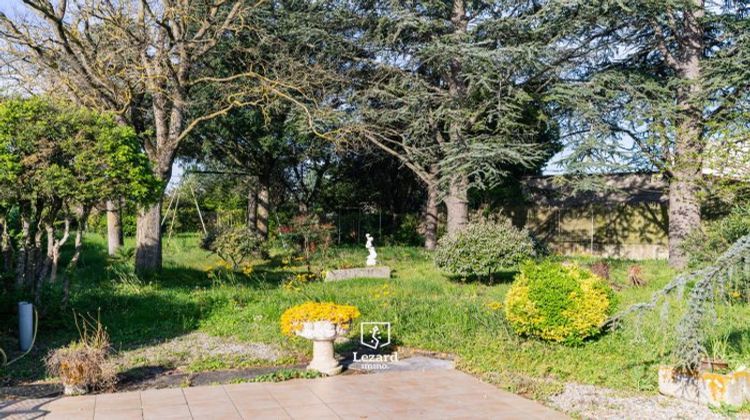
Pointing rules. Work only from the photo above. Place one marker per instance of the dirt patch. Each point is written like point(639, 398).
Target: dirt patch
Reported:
point(188, 349)
point(192, 359)
point(35, 390)
point(176, 378)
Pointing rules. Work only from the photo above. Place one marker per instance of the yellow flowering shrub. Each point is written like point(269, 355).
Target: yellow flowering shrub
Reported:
point(297, 280)
point(493, 305)
point(293, 318)
point(558, 302)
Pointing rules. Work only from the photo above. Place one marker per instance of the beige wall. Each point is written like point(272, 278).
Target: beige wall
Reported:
point(637, 231)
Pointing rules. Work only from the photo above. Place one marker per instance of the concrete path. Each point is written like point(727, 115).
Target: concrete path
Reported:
point(436, 394)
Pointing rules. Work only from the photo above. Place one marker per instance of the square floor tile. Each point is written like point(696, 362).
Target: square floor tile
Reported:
point(119, 401)
point(82, 403)
point(162, 397)
point(79, 415)
point(205, 394)
point(118, 414)
point(264, 413)
point(354, 408)
point(255, 403)
point(166, 412)
point(317, 411)
point(295, 398)
point(218, 409)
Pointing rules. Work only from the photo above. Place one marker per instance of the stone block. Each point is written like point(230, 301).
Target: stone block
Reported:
point(356, 273)
point(706, 387)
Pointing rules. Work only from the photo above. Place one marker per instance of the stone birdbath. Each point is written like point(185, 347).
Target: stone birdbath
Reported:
point(322, 323)
point(323, 334)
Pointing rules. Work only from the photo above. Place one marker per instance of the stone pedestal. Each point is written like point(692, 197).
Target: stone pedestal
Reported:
point(381, 272)
point(322, 334)
point(324, 359)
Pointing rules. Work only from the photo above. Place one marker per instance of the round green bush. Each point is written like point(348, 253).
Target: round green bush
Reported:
point(558, 302)
point(484, 247)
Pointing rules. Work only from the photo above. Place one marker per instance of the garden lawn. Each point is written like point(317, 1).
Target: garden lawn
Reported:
point(427, 310)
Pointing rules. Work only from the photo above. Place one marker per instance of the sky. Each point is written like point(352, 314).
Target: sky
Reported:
point(8, 6)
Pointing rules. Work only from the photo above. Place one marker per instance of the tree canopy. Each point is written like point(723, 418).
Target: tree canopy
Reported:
point(59, 161)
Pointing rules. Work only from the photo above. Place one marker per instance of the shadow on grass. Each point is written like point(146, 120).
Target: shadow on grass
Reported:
point(499, 277)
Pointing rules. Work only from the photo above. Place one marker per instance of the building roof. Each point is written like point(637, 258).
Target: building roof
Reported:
point(604, 189)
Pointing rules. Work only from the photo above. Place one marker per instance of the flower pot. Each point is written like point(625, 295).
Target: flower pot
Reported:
point(323, 334)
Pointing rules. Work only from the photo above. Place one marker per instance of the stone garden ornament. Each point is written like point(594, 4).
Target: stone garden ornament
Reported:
point(371, 271)
point(323, 334)
point(322, 323)
point(372, 258)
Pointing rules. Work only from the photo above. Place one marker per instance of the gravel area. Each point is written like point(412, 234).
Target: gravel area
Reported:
point(591, 402)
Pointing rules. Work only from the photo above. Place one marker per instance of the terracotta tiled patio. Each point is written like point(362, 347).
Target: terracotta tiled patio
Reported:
point(395, 395)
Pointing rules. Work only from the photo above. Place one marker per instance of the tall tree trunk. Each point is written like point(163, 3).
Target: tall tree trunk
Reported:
point(23, 247)
point(34, 262)
point(252, 209)
point(430, 221)
point(56, 251)
point(148, 223)
point(457, 200)
point(684, 213)
point(684, 205)
point(167, 120)
point(114, 228)
point(148, 239)
point(45, 267)
point(74, 260)
point(263, 209)
point(49, 228)
point(457, 204)
point(6, 247)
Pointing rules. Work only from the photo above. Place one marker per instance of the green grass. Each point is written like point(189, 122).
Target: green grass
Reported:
point(427, 310)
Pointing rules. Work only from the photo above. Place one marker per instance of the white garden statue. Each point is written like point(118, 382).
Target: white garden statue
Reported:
point(372, 257)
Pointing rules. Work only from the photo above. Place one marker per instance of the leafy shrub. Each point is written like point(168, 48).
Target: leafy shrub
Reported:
point(408, 231)
point(704, 246)
point(82, 365)
point(309, 234)
point(234, 244)
point(484, 247)
point(558, 302)
point(296, 281)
